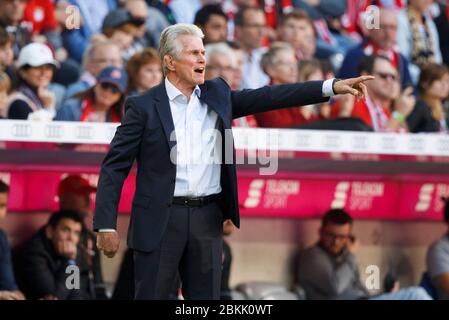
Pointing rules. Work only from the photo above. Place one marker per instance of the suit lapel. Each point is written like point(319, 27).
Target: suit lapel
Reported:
point(164, 111)
point(212, 102)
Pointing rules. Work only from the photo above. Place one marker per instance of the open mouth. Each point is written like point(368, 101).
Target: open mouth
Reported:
point(199, 70)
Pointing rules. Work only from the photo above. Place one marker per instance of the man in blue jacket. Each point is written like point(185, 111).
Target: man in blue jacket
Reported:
point(180, 203)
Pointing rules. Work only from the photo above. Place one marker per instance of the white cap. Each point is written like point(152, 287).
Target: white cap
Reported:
point(36, 54)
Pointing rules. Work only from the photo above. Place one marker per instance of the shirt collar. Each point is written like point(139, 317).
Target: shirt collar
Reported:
point(173, 92)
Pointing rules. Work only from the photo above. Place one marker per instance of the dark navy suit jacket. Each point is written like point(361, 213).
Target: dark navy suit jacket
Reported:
point(144, 135)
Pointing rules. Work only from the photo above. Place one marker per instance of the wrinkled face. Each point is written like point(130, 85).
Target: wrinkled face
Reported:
point(385, 36)
point(12, 10)
point(253, 31)
point(386, 85)
point(215, 29)
point(285, 68)
point(106, 94)
point(6, 56)
point(219, 65)
point(299, 33)
point(149, 75)
point(3, 205)
point(38, 76)
point(439, 89)
point(65, 230)
point(334, 237)
point(189, 68)
point(105, 56)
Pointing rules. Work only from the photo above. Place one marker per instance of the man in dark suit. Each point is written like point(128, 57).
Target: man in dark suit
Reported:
point(180, 203)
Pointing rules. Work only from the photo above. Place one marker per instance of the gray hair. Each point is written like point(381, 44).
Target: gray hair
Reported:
point(169, 44)
point(270, 58)
point(220, 48)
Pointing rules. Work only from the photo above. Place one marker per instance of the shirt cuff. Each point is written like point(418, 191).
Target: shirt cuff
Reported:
point(327, 88)
point(106, 230)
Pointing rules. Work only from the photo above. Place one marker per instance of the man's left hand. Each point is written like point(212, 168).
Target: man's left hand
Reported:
point(354, 86)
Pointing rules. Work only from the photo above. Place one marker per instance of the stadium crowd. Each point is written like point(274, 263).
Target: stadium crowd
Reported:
point(78, 60)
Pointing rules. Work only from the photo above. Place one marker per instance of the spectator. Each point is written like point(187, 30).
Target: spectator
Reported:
point(33, 99)
point(384, 108)
point(144, 70)
point(220, 62)
point(119, 28)
point(42, 262)
point(230, 8)
point(312, 70)
point(41, 15)
point(101, 103)
point(297, 29)
point(328, 270)
point(381, 41)
point(74, 193)
point(418, 40)
point(97, 57)
point(92, 14)
point(280, 63)
point(239, 56)
point(250, 29)
point(5, 87)
point(214, 23)
point(7, 54)
point(429, 114)
point(442, 24)
point(8, 286)
point(139, 13)
point(438, 260)
point(156, 19)
point(11, 19)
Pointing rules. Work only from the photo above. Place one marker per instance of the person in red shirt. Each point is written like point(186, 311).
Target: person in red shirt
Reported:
point(385, 108)
point(280, 63)
point(41, 14)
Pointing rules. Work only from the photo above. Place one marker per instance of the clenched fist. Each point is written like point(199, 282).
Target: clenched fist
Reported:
point(108, 242)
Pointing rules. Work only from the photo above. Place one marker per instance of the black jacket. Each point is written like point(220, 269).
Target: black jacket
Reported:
point(144, 135)
point(41, 272)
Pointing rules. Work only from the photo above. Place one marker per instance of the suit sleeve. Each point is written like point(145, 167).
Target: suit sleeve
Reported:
point(268, 98)
point(116, 166)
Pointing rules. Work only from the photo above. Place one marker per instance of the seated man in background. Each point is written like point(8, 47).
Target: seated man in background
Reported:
point(438, 260)
point(74, 194)
point(328, 270)
point(42, 263)
point(385, 108)
point(8, 286)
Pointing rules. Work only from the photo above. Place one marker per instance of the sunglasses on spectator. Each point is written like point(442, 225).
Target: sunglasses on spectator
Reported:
point(387, 76)
point(138, 21)
point(109, 87)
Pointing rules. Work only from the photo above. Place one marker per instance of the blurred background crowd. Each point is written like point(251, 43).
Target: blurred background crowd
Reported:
point(77, 60)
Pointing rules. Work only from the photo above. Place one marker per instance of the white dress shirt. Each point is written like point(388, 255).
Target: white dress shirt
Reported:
point(198, 147)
